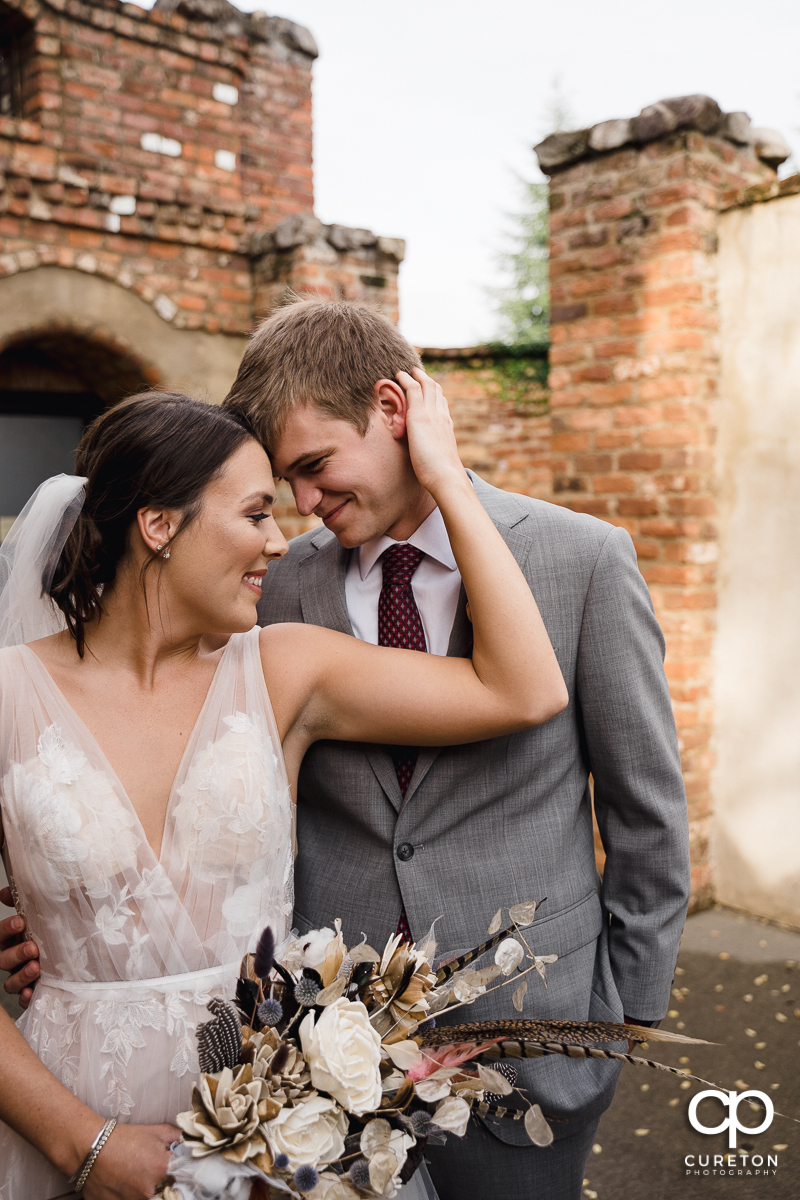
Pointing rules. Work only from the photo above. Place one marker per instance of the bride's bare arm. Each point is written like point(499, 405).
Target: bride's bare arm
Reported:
point(327, 685)
point(34, 1103)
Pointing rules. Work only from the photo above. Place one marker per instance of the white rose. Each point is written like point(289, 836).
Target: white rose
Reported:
point(313, 1133)
point(344, 1053)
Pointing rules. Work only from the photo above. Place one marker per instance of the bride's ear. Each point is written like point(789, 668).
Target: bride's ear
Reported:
point(156, 527)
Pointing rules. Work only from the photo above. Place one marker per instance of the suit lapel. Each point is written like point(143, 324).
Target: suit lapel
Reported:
point(322, 575)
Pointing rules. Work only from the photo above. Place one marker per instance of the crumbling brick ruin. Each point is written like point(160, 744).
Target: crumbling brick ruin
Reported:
point(168, 153)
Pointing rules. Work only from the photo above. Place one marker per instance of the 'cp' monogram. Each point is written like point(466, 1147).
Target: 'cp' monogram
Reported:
point(731, 1101)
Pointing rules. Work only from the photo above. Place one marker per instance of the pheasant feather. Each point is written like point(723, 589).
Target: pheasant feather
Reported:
point(579, 1033)
point(449, 969)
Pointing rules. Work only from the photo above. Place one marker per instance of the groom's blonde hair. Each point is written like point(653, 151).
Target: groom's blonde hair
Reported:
point(327, 353)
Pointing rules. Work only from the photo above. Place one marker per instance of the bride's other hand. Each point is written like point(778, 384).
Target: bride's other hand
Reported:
point(430, 432)
point(17, 956)
point(132, 1163)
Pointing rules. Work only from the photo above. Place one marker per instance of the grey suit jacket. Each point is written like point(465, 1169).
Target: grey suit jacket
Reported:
point(509, 820)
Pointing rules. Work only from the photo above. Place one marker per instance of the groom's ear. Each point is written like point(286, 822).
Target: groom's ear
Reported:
point(392, 404)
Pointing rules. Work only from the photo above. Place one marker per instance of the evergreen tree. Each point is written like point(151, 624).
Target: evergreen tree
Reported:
point(523, 304)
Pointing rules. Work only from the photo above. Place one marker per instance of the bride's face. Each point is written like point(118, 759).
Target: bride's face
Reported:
point(216, 566)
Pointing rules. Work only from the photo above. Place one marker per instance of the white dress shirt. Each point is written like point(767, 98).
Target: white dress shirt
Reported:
point(436, 584)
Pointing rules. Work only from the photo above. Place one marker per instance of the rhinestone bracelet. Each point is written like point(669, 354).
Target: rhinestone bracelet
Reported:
point(78, 1180)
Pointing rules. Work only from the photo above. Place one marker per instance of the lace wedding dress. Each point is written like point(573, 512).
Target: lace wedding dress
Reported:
point(133, 945)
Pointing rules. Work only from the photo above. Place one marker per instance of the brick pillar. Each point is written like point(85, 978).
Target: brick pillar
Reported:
point(331, 261)
point(633, 379)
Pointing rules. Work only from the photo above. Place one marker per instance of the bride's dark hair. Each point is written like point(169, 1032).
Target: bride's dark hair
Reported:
point(153, 449)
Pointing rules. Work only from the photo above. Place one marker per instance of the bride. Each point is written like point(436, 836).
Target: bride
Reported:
point(150, 736)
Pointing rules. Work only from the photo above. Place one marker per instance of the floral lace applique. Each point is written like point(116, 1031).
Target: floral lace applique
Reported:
point(58, 1032)
point(223, 818)
point(78, 832)
point(123, 1021)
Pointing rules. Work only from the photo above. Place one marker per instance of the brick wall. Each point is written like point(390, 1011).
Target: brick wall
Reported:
point(166, 151)
point(633, 391)
point(500, 413)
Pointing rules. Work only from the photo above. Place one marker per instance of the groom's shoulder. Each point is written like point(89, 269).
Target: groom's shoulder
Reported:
point(280, 594)
point(304, 545)
point(551, 525)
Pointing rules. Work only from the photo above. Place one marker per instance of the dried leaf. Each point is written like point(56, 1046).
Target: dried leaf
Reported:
point(332, 992)
point(537, 1128)
point(523, 914)
point(436, 1086)
point(364, 953)
point(464, 991)
point(470, 1089)
point(497, 921)
point(482, 977)
point(438, 999)
point(519, 995)
point(393, 1081)
point(508, 955)
point(539, 963)
point(382, 1168)
point(375, 1136)
point(404, 1054)
point(493, 1081)
point(452, 1115)
point(427, 946)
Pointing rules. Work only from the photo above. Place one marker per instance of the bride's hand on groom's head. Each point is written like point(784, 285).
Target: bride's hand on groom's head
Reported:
point(17, 956)
point(430, 432)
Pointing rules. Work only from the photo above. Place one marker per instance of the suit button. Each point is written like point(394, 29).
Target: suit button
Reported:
point(405, 851)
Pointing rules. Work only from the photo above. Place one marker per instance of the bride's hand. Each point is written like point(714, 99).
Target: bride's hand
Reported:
point(132, 1163)
point(429, 428)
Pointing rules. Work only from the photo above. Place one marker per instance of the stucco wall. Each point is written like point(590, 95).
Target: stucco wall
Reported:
point(193, 361)
point(757, 669)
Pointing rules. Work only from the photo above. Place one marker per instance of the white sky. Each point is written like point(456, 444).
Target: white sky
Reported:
point(424, 109)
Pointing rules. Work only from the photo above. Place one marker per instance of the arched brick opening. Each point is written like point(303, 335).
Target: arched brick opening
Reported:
point(17, 82)
point(52, 383)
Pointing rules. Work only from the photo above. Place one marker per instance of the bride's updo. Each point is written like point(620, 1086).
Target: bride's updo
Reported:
point(157, 449)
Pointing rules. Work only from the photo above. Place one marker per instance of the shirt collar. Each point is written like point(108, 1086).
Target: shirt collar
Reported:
point(431, 538)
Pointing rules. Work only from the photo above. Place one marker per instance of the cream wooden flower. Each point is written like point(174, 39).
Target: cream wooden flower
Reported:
point(344, 1054)
point(312, 1132)
point(225, 1115)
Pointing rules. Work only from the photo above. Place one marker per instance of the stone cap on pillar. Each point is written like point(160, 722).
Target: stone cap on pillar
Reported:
point(278, 31)
point(658, 120)
point(305, 229)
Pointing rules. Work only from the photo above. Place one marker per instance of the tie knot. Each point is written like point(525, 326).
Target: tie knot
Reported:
point(399, 564)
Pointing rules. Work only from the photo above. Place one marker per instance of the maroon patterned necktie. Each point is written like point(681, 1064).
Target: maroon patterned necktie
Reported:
point(400, 625)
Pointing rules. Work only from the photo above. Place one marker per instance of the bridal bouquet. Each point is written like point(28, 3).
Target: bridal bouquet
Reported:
point(327, 1074)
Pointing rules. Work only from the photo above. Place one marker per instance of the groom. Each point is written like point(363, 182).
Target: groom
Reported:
point(391, 838)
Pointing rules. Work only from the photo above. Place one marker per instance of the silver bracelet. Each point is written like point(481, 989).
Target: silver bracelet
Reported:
point(78, 1180)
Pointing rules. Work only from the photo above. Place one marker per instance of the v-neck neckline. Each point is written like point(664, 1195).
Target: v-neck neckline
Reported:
point(109, 769)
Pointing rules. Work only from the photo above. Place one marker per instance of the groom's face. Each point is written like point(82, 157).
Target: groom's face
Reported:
point(361, 487)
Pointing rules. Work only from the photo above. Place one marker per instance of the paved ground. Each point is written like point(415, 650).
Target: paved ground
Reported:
point(738, 984)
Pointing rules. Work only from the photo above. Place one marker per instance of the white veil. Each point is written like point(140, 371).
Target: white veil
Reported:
point(28, 558)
